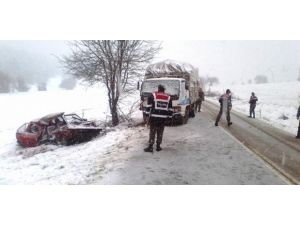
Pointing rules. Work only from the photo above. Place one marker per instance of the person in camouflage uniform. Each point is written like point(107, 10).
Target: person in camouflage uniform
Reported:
point(199, 100)
point(252, 102)
point(160, 111)
point(298, 118)
point(225, 105)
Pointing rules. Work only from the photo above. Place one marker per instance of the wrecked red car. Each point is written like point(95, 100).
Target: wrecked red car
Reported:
point(57, 128)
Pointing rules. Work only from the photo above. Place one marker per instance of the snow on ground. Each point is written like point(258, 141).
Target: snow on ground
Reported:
point(62, 165)
point(56, 164)
point(274, 101)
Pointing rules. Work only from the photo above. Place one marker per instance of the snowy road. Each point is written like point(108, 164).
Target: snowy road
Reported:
point(279, 148)
point(195, 153)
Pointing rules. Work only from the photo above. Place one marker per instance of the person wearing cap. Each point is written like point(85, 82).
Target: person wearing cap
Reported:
point(225, 105)
point(252, 102)
point(161, 105)
point(298, 118)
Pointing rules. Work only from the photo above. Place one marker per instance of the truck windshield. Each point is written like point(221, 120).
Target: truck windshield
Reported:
point(171, 86)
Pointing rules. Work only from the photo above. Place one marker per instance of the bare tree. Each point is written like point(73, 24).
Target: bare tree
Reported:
point(211, 81)
point(5, 83)
point(68, 83)
point(115, 63)
point(261, 79)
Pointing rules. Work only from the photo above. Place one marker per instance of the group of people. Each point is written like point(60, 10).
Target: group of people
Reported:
point(226, 105)
point(162, 108)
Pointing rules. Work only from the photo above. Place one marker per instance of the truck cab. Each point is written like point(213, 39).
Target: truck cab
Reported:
point(181, 82)
point(176, 88)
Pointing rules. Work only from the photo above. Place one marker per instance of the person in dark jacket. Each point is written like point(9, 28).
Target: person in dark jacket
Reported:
point(199, 100)
point(298, 118)
point(161, 109)
point(225, 105)
point(252, 102)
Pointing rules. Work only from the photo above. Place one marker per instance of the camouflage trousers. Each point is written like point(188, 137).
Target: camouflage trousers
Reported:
point(298, 134)
point(227, 114)
point(198, 105)
point(157, 126)
point(251, 111)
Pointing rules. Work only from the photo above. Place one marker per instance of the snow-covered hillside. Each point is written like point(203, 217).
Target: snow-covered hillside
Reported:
point(275, 100)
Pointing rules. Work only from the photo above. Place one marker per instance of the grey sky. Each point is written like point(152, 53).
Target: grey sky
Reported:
point(238, 60)
point(228, 60)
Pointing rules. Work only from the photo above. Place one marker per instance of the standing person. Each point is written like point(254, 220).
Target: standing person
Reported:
point(160, 111)
point(252, 102)
point(199, 100)
point(298, 118)
point(225, 105)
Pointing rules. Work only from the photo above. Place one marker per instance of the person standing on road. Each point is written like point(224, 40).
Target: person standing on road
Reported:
point(160, 111)
point(252, 102)
point(298, 118)
point(199, 100)
point(225, 105)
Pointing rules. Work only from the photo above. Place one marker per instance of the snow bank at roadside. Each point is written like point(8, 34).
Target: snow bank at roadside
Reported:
point(60, 164)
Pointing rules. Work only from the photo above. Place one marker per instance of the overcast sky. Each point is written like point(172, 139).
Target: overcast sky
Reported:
point(239, 60)
point(228, 60)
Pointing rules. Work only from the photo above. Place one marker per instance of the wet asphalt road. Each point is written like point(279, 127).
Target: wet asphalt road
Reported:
point(279, 149)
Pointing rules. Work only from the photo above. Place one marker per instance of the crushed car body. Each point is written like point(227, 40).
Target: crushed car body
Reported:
point(57, 128)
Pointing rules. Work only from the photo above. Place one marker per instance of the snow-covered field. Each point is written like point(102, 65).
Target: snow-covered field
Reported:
point(275, 100)
point(57, 164)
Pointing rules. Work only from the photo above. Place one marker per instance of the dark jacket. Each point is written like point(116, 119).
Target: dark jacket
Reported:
point(298, 113)
point(200, 96)
point(253, 100)
point(157, 112)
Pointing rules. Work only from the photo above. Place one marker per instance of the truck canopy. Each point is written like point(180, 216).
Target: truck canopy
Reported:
point(172, 69)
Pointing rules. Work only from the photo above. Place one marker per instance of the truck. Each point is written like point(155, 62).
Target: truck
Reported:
point(181, 82)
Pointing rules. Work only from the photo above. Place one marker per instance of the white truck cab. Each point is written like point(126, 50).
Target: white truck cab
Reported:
point(182, 85)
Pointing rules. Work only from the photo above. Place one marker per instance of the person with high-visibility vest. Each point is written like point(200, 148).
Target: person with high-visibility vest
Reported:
point(161, 109)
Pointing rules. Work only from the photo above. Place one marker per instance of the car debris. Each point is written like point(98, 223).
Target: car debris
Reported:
point(57, 128)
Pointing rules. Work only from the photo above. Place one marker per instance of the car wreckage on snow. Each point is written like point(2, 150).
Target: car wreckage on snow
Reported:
point(57, 128)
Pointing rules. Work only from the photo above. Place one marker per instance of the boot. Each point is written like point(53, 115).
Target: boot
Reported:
point(149, 149)
point(229, 123)
point(158, 148)
point(216, 124)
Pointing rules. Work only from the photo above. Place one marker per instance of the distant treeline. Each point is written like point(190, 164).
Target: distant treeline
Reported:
point(20, 69)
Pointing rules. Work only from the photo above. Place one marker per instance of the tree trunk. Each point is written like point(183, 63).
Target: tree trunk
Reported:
point(114, 114)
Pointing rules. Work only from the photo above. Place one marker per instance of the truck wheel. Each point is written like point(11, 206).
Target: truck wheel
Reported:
point(186, 117)
point(192, 113)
